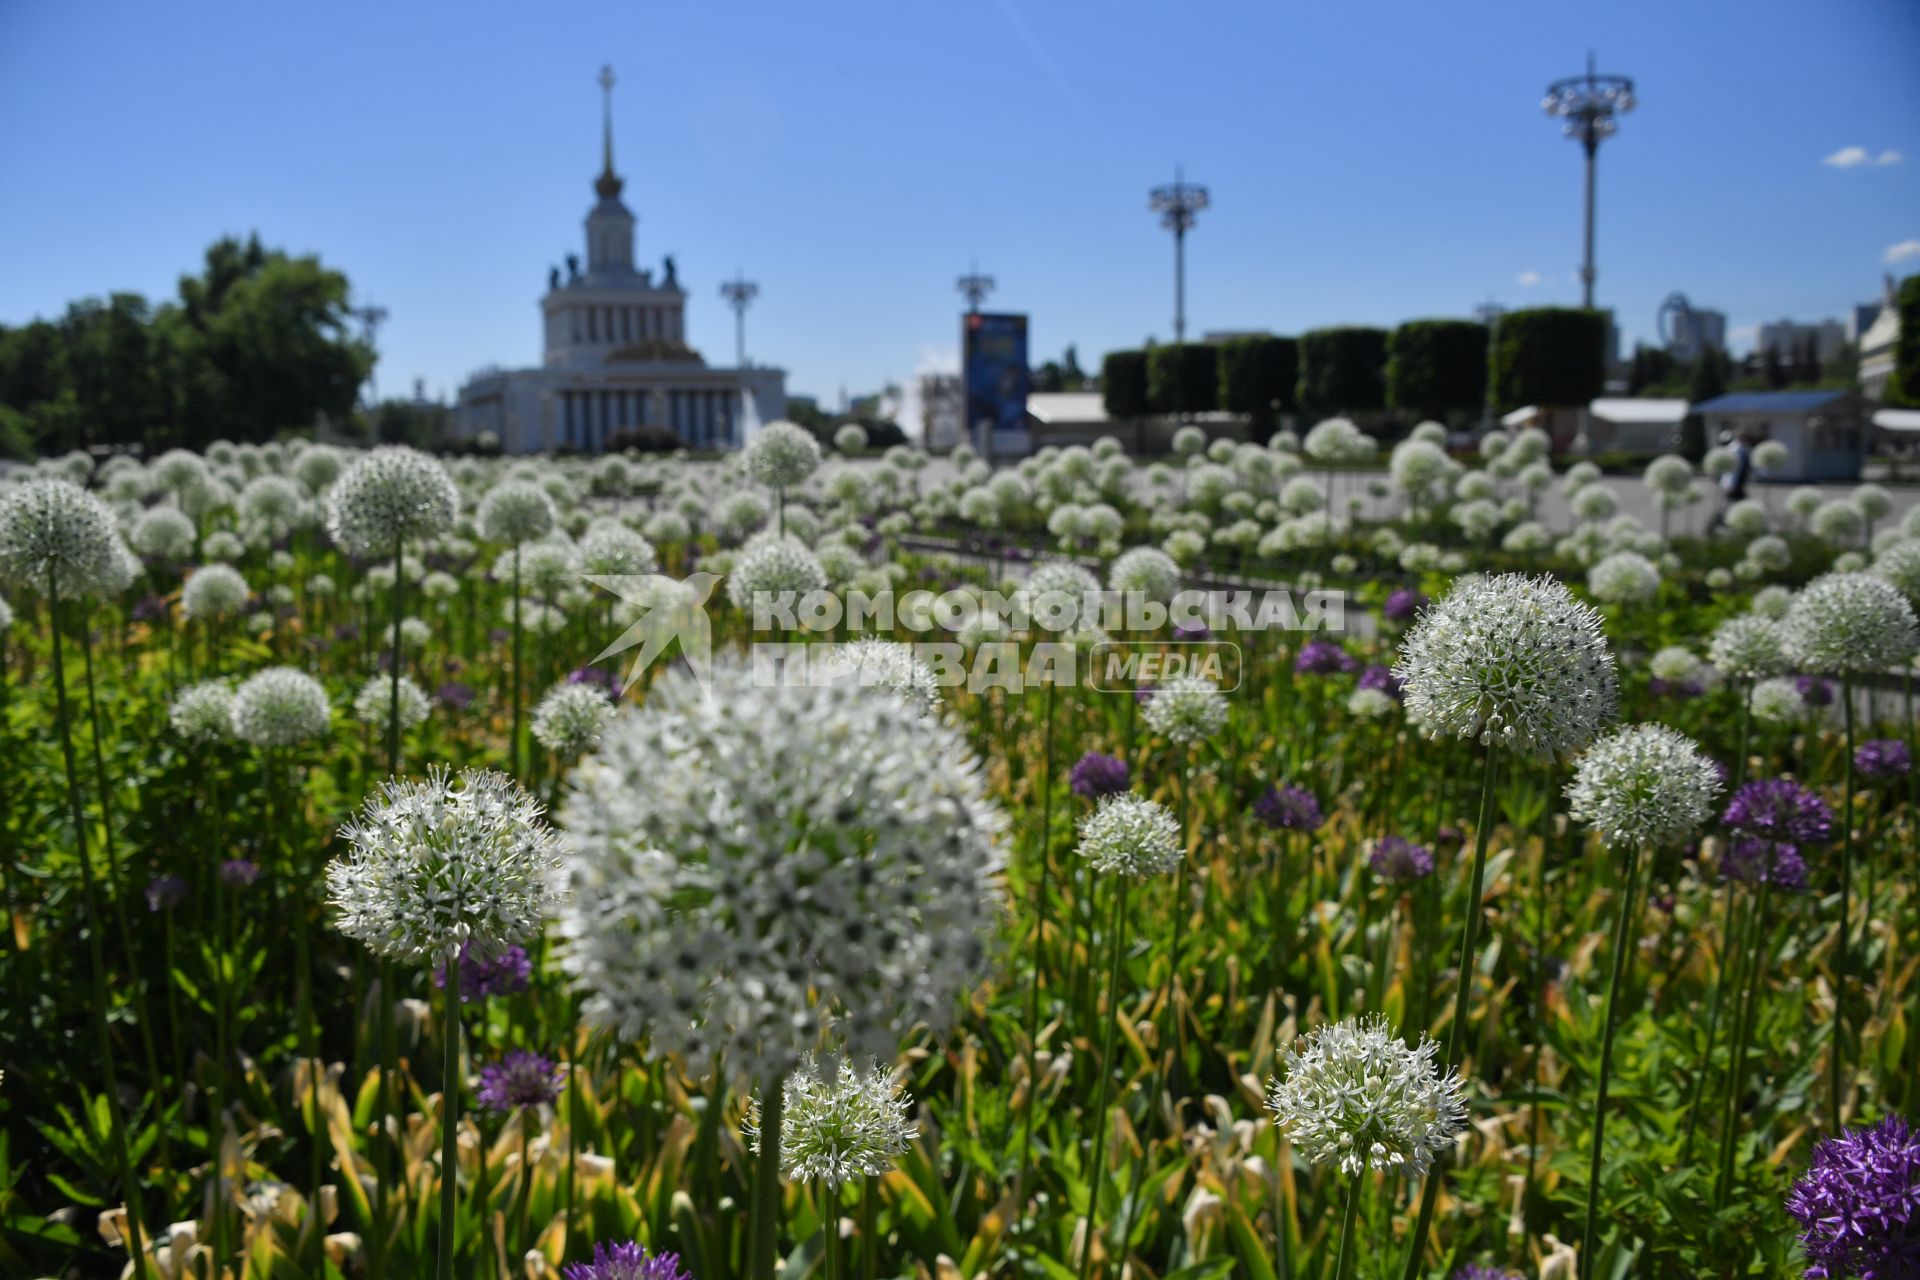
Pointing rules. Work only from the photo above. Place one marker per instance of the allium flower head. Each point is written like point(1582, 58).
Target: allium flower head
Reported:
point(1883, 758)
point(774, 566)
point(1643, 784)
point(1357, 1095)
point(164, 893)
point(453, 860)
point(1132, 836)
point(752, 867)
point(1400, 861)
point(507, 972)
point(1285, 807)
point(890, 665)
point(1057, 596)
point(53, 533)
point(1625, 577)
point(520, 1079)
point(1383, 679)
point(1403, 604)
point(1324, 657)
point(203, 712)
point(1748, 646)
point(1849, 622)
point(1513, 660)
point(782, 454)
point(616, 551)
point(1752, 861)
point(1187, 709)
point(1779, 809)
point(238, 873)
point(375, 702)
point(571, 717)
point(628, 1262)
point(836, 1128)
point(1858, 1204)
point(516, 511)
point(1475, 1271)
point(214, 591)
point(1147, 571)
point(163, 532)
point(280, 707)
point(1095, 775)
point(390, 496)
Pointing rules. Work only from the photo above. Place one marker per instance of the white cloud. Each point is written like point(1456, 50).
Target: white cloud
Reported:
point(1857, 157)
point(1529, 278)
point(1904, 251)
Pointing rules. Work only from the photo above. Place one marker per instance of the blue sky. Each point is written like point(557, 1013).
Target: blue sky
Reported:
point(1368, 163)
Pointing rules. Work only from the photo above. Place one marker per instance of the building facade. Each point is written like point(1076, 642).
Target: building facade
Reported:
point(1784, 337)
point(1703, 330)
point(616, 358)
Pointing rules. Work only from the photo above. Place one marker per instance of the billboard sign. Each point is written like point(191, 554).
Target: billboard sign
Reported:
point(994, 363)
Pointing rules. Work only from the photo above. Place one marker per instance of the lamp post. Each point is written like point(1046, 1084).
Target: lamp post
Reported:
point(1178, 205)
point(1489, 313)
point(1589, 104)
point(974, 287)
point(739, 293)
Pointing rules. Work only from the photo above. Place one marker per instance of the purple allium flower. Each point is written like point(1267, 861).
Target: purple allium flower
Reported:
point(1474, 1271)
point(608, 682)
point(164, 893)
point(238, 873)
point(1383, 679)
point(521, 1079)
point(1198, 631)
point(1095, 775)
point(1779, 809)
point(148, 608)
point(1752, 861)
point(1403, 604)
point(502, 975)
point(1289, 808)
point(456, 695)
point(1858, 1204)
point(1323, 657)
point(628, 1262)
point(1681, 689)
point(1399, 861)
point(346, 631)
point(1814, 691)
point(1144, 694)
point(1883, 758)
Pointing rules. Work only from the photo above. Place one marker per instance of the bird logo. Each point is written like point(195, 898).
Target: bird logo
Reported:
point(667, 611)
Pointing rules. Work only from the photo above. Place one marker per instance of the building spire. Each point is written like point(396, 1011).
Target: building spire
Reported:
point(607, 185)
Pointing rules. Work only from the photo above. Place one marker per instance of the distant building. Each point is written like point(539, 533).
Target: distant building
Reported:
point(1876, 347)
point(942, 406)
point(616, 356)
point(1633, 424)
point(1784, 337)
point(1704, 330)
point(1860, 318)
point(1827, 433)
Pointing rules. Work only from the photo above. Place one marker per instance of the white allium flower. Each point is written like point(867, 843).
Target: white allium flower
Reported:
point(1057, 595)
point(1770, 455)
point(616, 551)
point(449, 862)
point(272, 502)
point(571, 718)
point(1186, 709)
point(1594, 502)
point(1189, 441)
point(317, 467)
point(203, 712)
point(1850, 562)
point(1837, 521)
point(1370, 704)
point(1625, 577)
point(1899, 564)
point(1772, 602)
point(1872, 501)
point(163, 532)
point(516, 511)
point(392, 495)
point(1131, 835)
point(1849, 622)
point(53, 533)
point(1674, 663)
point(1529, 538)
point(1643, 784)
point(1777, 700)
point(214, 591)
point(773, 566)
point(1357, 1096)
point(1184, 546)
point(888, 664)
point(1747, 518)
point(280, 707)
point(178, 470)
point(222, 545)
point(375, 700)
point(1148, 571)
point(667, 526)
point(1338, 440)
point(754, 867)
point(850, 438)
point(320, 586)
point(1513, 660)
point(782, 454)
point(1668, 473)
point(835, 1129)
point(1418, 463)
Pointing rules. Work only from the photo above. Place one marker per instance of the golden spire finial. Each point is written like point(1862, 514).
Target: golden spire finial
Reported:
point(607, 184)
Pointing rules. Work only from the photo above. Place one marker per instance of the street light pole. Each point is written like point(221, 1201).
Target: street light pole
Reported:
point(1589, 105)
point(739, 293)
point(1178, 205)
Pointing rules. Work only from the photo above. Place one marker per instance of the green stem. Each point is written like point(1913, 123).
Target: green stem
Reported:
point(1713, 1027)
point(1095, 1174)
point(393, 681)
point(1343, 1262)
point(1033, 989)
point(1622, 927)
point(763, 1244)
point(1743, 1032)
point(1843, 964)
point(449, 1115)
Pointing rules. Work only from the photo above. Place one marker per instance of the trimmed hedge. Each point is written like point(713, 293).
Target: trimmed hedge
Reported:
point(1435, 367)
point(1183, 379)
point(1550, 356)
point(1343, 370)
point(1123, 384)
point(1258, 377)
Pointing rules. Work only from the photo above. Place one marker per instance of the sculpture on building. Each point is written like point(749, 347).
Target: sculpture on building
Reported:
point(673, 277)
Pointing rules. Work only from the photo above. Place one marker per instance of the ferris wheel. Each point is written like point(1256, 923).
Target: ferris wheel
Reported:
point(1678, 323)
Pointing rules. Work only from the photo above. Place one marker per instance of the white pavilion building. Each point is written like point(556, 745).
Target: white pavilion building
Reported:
point(616, 355)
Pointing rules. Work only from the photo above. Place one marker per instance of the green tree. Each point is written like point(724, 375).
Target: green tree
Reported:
point(1123, 384)
point(1436, 367)
point(1549, 356)
point(1343, 370)
point(1183, 378)
point(1072, 376)
point(1709, 378)
point(1257, 377)
point(1903, 385)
